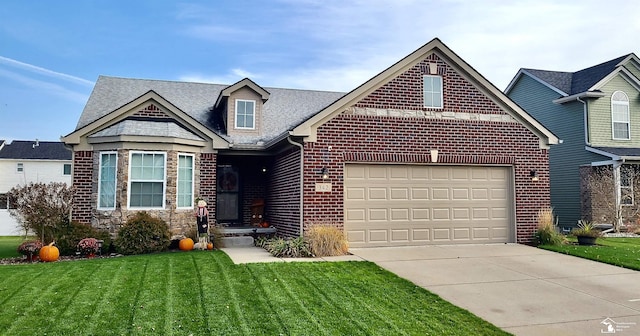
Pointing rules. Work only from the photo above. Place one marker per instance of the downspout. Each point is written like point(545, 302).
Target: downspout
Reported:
point(586, 121)
point(301, 183)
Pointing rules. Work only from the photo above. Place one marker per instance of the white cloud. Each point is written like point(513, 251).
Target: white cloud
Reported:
point(43, 71)
point(233, 76)
point(45, 87)
point(337, 45)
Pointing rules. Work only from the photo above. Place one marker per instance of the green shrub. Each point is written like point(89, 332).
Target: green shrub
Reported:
point(327, 240)
point(143, 234)
point(67, 235)
point(288, 248)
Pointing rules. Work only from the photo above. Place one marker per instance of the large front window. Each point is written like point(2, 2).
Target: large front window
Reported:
point(147, 180)
point(107, 180)
point(432, 91)
point(245, 114)
point(620, 116)
point(185, 181)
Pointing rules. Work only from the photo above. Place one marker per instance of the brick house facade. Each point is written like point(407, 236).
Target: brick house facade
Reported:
point(456, 173)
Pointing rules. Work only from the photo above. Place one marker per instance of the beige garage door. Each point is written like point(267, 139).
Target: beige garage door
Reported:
point(392, 205)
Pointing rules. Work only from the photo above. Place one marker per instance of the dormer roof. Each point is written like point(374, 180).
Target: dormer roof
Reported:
point(246, 82)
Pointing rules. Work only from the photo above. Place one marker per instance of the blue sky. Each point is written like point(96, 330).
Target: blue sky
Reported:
point(51, 52)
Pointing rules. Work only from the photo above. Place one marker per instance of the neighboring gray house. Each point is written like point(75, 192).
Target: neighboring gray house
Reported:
point(596, 112)
point(22, 162)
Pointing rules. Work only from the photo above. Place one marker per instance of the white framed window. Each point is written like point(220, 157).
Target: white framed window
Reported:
point(107, 179)
point(184, 193)
point(4, 201)
point(66, 169)
point(245, 114)
point(432, 91)
point(147, 179)
point(19, 167)
point(620, 121)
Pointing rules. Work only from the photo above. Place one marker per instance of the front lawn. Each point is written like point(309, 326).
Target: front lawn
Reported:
point(9, 245)
point(623, 252)
point(204, 293)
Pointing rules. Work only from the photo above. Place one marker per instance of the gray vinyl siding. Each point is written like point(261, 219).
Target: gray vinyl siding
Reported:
point(567, 122)
point(600, 115)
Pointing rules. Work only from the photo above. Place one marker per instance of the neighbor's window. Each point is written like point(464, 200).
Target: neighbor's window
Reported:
point(4, 201)
point(107, 180)
point(19, 167)
point(185, 181)
point(245, 114)
point(620, 116)
point(432, 91)
point(66, 169)
point(147, 180)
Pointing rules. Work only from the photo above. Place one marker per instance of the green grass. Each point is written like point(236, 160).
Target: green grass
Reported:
point(8, 246)
point(623, 252)
point(204, 293)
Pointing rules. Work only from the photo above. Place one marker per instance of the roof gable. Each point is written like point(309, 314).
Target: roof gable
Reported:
point(35, 150)
point(122, 122)
point(246, 82)
point(571, 84)
point(308, 129)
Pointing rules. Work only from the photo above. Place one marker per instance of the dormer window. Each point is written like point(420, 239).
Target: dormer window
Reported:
point(245, 114)
point(620, 116)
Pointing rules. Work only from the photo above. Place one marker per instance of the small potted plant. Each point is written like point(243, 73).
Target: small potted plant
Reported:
point(88, 247)
point(586, 233)
point(30, 249)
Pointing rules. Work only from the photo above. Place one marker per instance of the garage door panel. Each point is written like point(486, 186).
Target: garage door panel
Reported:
point(419, 193)
point(421, 235)
point(400, 235)
point(355, 193)
point(461, 233)
point(440, 193)
point(378, 236)
point(481, 233)
point(423, 204)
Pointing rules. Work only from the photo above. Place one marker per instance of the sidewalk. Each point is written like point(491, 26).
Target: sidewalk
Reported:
point(252, 254)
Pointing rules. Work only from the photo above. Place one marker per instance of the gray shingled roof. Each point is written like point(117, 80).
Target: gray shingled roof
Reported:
point(558, 79)
point(32, 150)
point(580, 81)
point(285, 108)
point(620, 151)
point(150, 128)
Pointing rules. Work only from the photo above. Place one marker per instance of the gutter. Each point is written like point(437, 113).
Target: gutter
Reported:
point(586, 121)
point(301, 182)
point(587, 94)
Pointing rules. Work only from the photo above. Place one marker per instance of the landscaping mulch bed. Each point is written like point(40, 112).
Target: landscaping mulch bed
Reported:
point(36, 260)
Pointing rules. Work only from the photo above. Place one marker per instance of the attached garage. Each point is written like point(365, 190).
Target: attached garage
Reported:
point(396, 204)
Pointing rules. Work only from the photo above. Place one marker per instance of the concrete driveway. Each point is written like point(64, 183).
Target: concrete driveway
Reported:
point(522, 289)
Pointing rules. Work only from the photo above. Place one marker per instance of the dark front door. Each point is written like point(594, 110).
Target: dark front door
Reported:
point(228, 196)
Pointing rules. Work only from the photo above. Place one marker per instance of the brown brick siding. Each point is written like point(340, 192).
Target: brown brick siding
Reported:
point(151, 111)
point(392, 139)
point(405, 140)
point(283, 203)
point(405, 91)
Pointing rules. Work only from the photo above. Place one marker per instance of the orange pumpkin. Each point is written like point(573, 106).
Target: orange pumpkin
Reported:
point(49, 253)
point(210, 246)
point(264, 224)
point(186, 244)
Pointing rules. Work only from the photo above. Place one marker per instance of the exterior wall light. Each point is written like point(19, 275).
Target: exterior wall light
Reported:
point(325, 173)
point(534, 175)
